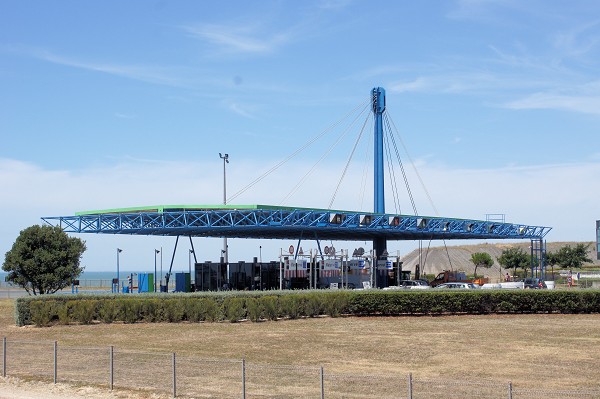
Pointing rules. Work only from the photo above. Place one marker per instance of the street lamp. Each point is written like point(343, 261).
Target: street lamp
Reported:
point(190, 263)
point(119, 250)
point(225, 159)
point(156, 252)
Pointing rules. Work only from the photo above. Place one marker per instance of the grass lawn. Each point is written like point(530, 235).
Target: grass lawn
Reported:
point(550, 351)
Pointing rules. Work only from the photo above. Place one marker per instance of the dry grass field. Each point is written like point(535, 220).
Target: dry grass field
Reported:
point(552, 351)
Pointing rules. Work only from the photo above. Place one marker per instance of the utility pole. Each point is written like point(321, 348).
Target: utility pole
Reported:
point(225, 251)
point(119, 250)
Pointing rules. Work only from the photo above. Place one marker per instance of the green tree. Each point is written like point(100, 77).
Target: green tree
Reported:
point(571, 258)
point(514, 258)
point(43, 259)
point(481, 259)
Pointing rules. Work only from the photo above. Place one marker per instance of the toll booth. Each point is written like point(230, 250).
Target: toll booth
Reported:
point(210, 276)
point(242, 276)
point(385, 275)
point(183, 282)
point(145, 282)
point(296, 273)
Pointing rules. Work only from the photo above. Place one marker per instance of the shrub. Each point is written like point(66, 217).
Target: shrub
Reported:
point(254, 309)
point(173, 310)
point(63, 312)
point(234, 306)
point(42, 312)
point(336, 304)
point(150, 310)
point(129, 310)
point(84, 311)
point(313, 304)
point(233, 309)
point(108, 311)
point(290, 306)
point(270, 306)
point(210, 309)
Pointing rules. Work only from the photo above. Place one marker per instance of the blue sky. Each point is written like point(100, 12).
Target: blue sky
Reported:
point(115, 104)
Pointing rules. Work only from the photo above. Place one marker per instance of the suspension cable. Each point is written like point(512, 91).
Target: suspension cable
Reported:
point(423, 186)
point(297, 151)
point(339, 139)
point(348, 162)
point(409, 191)
point(392, 174)
point(414, 167)
point(363, 183)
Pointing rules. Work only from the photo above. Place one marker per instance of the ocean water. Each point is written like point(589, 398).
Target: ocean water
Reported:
point(95, 281)
point(96, 275)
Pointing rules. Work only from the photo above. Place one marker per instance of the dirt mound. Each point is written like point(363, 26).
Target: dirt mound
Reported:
point(436, 259)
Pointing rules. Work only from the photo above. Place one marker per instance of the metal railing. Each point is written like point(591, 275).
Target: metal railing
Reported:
point(188, 376)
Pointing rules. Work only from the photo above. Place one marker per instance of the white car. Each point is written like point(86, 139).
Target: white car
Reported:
point(460, 286)
point(415, 284)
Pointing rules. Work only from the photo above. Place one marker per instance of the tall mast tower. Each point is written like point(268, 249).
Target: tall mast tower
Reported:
point(378, 101)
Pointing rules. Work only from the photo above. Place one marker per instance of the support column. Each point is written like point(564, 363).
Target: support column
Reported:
point(378, 102)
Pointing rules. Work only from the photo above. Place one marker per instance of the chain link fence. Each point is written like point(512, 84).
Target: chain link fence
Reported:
point(188, 376)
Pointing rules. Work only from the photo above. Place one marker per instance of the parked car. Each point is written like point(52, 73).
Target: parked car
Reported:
point(534, 283)
point(415, 284)
point(460, 286)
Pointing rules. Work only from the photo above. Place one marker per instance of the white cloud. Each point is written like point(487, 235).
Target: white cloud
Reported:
point(243, 110)
point(576, 103)
point(239, 39)
point(579, 40)
point(150, 74)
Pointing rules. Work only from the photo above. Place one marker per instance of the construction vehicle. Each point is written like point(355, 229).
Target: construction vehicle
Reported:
point(450, 276)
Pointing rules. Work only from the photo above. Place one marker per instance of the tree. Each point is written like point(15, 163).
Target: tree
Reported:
point(571, 258)
point(513, 258)
point(481, 259)
point(43, 259)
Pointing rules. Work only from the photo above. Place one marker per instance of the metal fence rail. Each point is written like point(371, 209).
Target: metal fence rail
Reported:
point(188, 376)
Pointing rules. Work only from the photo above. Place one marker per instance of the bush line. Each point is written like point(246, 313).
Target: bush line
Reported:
point(235, 306)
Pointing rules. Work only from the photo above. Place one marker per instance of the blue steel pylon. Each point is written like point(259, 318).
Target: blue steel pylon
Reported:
point(378, 100)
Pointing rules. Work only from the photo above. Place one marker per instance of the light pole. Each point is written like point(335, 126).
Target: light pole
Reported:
point(156, 252)
point(190, 263)
point(225, 159)
point(119, 250)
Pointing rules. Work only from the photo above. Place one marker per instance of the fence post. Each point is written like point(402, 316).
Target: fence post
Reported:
point(410, 386)
point(174, 377)
point(510, 389)
point(243, 378)
point(111, 369)
point(322, 375)
point(55, 360)
point(4, 357)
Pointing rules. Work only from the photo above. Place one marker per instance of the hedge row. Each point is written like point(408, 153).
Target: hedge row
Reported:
point(273, 305)
point(174, 308)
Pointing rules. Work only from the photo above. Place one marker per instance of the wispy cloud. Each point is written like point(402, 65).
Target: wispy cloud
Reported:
point(580, 98)
point(583, 104)
point(457, 82)
point(238, 39)
point(334, 4)
point(239, 109)
point(150, 74)
point(121, 115)
point(579, 40)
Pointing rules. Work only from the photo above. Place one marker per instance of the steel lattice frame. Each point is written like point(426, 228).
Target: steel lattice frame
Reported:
point(292, 224)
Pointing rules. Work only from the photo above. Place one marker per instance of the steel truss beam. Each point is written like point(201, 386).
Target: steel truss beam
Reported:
point(293, 224)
